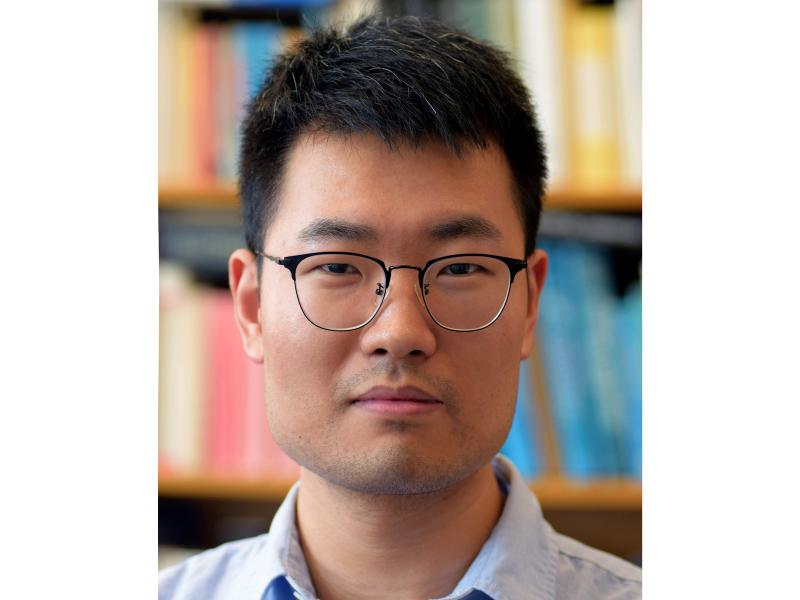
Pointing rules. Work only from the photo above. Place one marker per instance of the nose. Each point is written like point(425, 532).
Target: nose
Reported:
point(403, 327)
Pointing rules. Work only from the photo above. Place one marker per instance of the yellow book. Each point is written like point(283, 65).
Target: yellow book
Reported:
point(595, 147)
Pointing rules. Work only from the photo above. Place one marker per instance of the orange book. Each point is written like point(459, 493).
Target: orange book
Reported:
point(201, 108)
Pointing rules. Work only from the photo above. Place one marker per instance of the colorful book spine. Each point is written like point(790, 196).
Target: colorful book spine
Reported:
point(257, 43)
point(628, 55)
point(202, 109)
point(592, 95)
point(539, 40)
point(226, 385)
point(181, 400)
point(598, 304)
point(629, 331)
point(565, 380)
point(207, 74)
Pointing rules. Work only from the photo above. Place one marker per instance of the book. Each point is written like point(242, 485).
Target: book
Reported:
point(598, 304)
point(226, 384)
point(203, 137)
point(628, 56)
point(565, 377)
point(629, 332)
point(182, 345)
point(257, 43)
point(539, 40)
point(592, 95)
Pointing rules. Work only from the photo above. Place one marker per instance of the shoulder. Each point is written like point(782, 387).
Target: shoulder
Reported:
point(584, 572)
point(215, 573)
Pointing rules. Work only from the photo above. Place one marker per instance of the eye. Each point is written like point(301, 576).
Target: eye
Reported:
point(460, 269)
point(338, 268)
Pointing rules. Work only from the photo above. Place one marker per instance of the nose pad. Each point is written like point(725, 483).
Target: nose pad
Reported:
point(380, 293)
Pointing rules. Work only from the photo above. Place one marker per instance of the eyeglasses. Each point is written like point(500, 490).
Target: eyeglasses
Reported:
point(343, 291)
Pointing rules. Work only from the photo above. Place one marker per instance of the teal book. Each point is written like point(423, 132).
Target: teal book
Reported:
point(570, 264)
point(598, 305)
point(522, 444)
point(629, 332)
point(258, 43)
point(564, 372)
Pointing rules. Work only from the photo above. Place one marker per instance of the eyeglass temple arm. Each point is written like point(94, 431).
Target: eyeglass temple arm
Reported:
point(274, 259)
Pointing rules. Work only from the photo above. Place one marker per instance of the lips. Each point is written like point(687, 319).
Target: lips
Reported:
point(397, 402)
point(403, 394)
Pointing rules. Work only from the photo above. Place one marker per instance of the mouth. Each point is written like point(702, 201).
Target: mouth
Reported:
point(397, 401)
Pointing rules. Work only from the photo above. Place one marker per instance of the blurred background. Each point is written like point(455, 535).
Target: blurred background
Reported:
point(577, 431)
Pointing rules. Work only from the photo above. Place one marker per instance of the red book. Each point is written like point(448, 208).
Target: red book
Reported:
point(202, 111)
point(227, 386)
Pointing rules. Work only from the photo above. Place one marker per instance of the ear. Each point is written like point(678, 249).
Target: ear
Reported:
point(536, 273)
point(243, 281)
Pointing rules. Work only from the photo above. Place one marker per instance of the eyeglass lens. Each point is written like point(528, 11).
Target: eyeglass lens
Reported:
point(340, 291)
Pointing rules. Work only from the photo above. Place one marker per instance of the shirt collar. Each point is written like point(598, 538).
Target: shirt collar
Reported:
point(518, 560)
point(280, 555)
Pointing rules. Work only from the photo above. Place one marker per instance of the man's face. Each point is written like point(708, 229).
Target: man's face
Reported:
point(313, 378)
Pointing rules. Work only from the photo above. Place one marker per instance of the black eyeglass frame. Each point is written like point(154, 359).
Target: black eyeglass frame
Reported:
point(291, 262)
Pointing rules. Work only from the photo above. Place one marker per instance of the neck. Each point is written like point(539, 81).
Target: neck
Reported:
point(365, 546)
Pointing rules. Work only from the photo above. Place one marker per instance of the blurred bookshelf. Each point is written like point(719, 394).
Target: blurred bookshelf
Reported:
point(225, 194)
point(217, 485)
point(554, 493)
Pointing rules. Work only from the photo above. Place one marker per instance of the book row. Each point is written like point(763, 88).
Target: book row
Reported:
point(581, 60)
point(578, 410)
point(582, 389)
point(207, 73)
point(212, 419)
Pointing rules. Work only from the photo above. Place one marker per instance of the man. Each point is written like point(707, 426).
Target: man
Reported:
point(391, 179)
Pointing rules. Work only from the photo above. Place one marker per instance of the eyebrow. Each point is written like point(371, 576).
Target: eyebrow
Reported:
point(466, 226)
point(337, 229)
point(325, 229)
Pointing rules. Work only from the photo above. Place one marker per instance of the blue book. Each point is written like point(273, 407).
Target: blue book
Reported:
point(565, 374)
point(522, 444)
point(257, 43)
point(629, 333)
point(570, 265)
point(598, 304)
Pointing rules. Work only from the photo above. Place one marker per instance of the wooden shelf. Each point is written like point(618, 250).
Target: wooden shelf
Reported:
point(554, 493)
point(557, 493)
point(610, 200)
point(225, 194)
point(190, 195)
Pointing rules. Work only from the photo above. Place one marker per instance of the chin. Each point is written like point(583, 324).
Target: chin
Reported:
point(394, 471)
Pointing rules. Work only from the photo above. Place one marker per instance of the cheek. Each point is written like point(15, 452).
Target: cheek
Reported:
point(301, 366)
point(487, 371)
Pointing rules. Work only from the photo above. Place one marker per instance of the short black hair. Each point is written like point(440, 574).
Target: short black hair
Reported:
point(405, 79)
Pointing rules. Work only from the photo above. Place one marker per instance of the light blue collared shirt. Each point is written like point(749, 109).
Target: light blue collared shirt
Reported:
point(523, 558)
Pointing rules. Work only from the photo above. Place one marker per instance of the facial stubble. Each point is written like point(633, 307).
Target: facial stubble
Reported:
point(399, 456)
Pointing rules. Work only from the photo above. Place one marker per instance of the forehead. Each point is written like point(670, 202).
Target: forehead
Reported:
point(398, 193)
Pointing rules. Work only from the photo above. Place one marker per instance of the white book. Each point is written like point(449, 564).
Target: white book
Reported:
point(628, 34)
point(539, 42)
point(166, 90)
point(182, 406)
